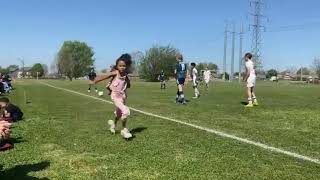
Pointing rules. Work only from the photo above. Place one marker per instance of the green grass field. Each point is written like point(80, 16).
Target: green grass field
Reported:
point(65, 135)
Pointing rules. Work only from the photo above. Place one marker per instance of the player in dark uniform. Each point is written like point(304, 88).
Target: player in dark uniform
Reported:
point(162, 79)
point(181, 73)
point(92, 75)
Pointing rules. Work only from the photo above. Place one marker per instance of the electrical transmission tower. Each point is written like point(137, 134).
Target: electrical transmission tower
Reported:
point(257, 7)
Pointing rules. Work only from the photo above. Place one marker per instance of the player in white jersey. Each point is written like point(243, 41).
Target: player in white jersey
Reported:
point(207, 77)
point(250, 78)
point(195, 80)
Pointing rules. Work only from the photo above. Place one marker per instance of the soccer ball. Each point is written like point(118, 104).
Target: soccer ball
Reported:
point(100, 93)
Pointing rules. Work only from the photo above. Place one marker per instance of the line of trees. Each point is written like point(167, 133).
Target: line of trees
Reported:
point(76, 58)
point(9, 69)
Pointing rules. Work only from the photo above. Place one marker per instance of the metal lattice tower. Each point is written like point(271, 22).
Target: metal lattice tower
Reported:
point(257, 14)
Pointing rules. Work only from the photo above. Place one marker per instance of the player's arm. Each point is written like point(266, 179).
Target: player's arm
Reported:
point(103, 77)
point(175, 73)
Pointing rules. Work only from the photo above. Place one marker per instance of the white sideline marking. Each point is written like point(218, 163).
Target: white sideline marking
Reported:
point(217, 132)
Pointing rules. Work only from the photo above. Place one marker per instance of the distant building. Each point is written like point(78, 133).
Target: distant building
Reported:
point(18, 74)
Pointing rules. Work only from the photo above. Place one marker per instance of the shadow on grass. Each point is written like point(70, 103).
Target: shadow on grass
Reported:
point(136, 131)
point(244, 103)
point(20, 172)
point(17, 140)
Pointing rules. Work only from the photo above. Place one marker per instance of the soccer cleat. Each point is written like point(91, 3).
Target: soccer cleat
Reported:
point(126, 134)
point(112, 126)
point(195, 97)
point(256, 103)
point(250, 105)
point(89, 91)
point(6, 146)
point(183, 102)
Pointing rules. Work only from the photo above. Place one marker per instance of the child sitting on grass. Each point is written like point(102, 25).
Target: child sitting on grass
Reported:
point(5, 135)
point(10, 111)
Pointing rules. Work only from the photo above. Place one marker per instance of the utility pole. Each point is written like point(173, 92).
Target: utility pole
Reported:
point(232, 53)
point(224, 68)
point(258, 6)
point(22, 63)
point(240, 52)
point(301, 73)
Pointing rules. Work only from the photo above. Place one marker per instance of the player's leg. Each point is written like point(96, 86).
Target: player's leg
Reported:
point(181, 97)
point(125, 112)
point(89, 89)
point(96, 89)
point(196, 91)
point(250, 85)
point(112, 123)
point(178, 94)
point(249, 95)
point(254, 98)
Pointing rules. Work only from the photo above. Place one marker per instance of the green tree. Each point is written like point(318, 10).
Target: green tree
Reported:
point(37, 68)
point(45, 69)
point(156, 59)
point(4, 70)
point(271, 72)
point(74, 59)
point(305, 71)
point(227, 76)
point(211, 66)
point(13, 68)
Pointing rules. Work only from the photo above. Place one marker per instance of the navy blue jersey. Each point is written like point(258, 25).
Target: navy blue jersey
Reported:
point(162, 76)
point(181, 70)
point(92, 76)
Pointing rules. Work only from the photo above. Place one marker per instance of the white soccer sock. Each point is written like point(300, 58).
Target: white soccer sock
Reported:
point(196, 92)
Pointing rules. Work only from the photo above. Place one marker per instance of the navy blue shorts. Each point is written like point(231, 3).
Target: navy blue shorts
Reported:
point(180, 81)
point(16, 117)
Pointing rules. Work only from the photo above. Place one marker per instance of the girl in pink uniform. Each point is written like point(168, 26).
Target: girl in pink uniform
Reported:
point(118, 87)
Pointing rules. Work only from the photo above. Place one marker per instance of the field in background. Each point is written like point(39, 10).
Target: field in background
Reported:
point(65, 136)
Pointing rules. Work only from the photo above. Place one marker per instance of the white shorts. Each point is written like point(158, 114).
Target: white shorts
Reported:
point(207, 81)
point(194, 82)
point(251, 82)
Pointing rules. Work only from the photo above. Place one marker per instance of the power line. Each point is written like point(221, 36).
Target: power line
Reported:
point(297, 27)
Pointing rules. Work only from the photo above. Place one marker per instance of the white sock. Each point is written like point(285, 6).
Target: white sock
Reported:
point(196, 92)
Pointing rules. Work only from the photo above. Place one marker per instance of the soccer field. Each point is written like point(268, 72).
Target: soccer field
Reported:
point(65, 135)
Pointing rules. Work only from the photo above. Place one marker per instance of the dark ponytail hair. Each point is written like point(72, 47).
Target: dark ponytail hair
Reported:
point(126, 58)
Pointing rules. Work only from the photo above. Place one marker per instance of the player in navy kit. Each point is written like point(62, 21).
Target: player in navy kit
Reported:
point(181, 73)
point(92, 75)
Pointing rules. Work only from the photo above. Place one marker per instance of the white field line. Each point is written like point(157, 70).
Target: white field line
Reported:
point(217, 132)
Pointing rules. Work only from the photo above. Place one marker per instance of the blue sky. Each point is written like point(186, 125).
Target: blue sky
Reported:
point(35, 29)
